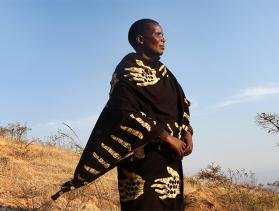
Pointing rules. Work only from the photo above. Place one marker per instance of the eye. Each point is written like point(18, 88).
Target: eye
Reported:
point(159, 34)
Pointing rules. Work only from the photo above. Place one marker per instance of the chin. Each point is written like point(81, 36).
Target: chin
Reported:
point(161, 51)
point(157, 53)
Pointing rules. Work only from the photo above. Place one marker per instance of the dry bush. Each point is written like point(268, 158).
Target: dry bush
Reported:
point(65, 140)
point(249, 198)
point(238, 189)
point(242, 177)
point(15, 131)
point(212, 173)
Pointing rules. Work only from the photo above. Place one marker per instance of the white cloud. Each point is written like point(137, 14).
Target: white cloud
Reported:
point(250, 94)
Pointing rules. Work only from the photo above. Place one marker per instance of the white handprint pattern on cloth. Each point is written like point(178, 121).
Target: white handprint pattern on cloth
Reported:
point(168, 187)
point(131, 187)
point(143, 75)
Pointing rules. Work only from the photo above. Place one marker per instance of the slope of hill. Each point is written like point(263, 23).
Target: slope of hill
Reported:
point(31, 173)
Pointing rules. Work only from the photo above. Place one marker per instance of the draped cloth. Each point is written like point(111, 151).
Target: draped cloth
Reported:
point(145, 99)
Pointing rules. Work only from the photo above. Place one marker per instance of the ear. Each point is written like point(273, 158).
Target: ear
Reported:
point(140, 39)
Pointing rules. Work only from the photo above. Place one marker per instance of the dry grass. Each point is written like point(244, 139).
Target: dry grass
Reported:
point(233, 191)
point(31, 173)
point(205, 195)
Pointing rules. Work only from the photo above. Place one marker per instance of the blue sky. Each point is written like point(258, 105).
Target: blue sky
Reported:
point(57, 58)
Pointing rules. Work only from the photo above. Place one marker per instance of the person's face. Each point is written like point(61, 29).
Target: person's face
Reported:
point(153, 41)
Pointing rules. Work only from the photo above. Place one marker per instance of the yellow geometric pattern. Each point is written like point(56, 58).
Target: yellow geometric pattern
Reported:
point(91, 170)
point(169, 127)
point(111, 151)
point(188, 103)
point(179, 128)
point(163, 67)
point(185, 127)
point(142, 123)
point(168, 187)
point(101, 160)
point(131, 187)
point(182, 127)
point(132, 131)
point(143, 114)
point(122, 142)
point(186, 116)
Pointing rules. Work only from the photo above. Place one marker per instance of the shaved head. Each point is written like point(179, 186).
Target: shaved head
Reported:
point(138, 28)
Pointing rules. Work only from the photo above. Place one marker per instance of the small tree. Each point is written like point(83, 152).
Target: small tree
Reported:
point(269, 122)
point(213, 173)
point(16, 131)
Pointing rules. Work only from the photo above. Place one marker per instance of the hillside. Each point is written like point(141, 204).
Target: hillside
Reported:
point(31, 173)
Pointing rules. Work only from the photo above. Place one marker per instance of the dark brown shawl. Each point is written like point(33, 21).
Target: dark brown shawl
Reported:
point(145, 99)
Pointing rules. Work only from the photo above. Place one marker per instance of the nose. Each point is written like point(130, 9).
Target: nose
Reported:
point(163, 39)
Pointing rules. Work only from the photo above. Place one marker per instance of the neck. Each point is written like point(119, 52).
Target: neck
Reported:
point(148, 57)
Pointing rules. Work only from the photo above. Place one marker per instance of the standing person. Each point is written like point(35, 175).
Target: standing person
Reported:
point(154, 179)
point(144, 129)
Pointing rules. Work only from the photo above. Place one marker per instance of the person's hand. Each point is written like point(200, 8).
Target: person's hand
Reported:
point(175, 144)
point(187, 139)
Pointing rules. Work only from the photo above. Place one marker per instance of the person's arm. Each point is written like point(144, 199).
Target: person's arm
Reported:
point(174, 143)
point(187, 139)
point(187, 129)
point(188, 133)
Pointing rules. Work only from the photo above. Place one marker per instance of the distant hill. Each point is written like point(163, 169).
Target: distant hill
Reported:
point(31, 173)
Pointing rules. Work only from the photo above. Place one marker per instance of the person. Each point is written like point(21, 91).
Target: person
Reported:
point(154, 179)
point(144, 129)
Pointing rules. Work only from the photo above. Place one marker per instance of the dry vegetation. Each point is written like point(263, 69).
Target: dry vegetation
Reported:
point(30, 173)
point(213, 189)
